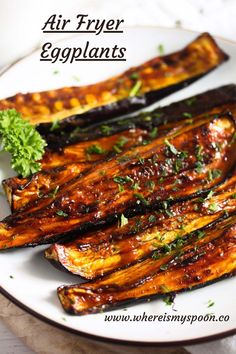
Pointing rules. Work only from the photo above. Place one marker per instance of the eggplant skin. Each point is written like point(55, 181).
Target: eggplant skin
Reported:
point(138, 130)
point(211, 258)
point(158, 78)
point(22, 191)
point(96, 199)
point(111, 248)
point(223, 97)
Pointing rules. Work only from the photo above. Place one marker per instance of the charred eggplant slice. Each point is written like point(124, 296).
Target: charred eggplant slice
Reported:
point(222, 97)
point(136, 88)
point(196, 263)
point(128, 184)
point(22, 191)
point(114, 247)
point(112, 140)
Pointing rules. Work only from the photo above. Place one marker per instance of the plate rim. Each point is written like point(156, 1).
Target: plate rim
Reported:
point(103, 339)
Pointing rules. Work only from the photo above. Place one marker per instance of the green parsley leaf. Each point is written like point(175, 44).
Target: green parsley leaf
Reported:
point(199, 166)
point(54, 192)
point(152, 218)
point(141, 198)
point(187, 115)
point(122, 180)
point(123, 221)
point(164, 267)
point(161, 49)
point(200, 234)
point(215, 173)
point(168, 300)
point(171, 147)
point(213, 207)
point(135, 89)
point(55, 125)
point(134, 76)
point(153, 133)
point(105, 129)
point(61, 213)
point(95, 149)
point(22, 141)
point(210, 303)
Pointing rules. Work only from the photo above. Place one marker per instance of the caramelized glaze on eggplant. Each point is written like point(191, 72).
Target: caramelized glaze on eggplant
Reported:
point(196, 263)
point(156, 79)
point(112, 139)
point(96, 198)
point(107, 249)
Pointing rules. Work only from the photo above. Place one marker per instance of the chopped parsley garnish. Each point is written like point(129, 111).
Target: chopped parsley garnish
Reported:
point(150, 185)
point(123, 221)
point(213, 207)
point(141, 198)
point(105, 129)
point(136, 186)
point(209, 195)
point(164, 267)
point(61, 213)
point(161, 49)
point(187, 115)
point(233, 196)
point(120, 143)
point(55, 125)
point(22, 141)
point(74, 132)
point(199, 153)
point(171, 147)
point(156, 255)
point(233, 139)
point(122, 180)
point(134, 76)
point(95, 149)
point(168, 300)
point(54, 192)
point(200, 234)
point(152, 218)
point(199, 166)
point(212, 174)
point(153, 133)
point(191, 101)
point(164, 288)
point(135, 89)
point(210, 303)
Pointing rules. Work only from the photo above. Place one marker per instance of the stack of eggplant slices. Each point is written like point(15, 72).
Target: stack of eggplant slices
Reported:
point(137, 206)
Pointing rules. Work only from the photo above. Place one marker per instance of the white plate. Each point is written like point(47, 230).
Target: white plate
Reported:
point(29, 280)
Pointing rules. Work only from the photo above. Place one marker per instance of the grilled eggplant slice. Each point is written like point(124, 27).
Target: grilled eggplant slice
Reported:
point(108, 249)
point(128, 184)
point(138, 130)
point(22, 191)
point(147, 121)
point(156, 78)
point(196, 263)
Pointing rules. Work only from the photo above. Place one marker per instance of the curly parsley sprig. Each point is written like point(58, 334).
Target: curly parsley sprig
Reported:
point(22, 141)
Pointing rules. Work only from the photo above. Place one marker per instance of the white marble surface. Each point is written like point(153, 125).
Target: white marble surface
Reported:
point(215, 16)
